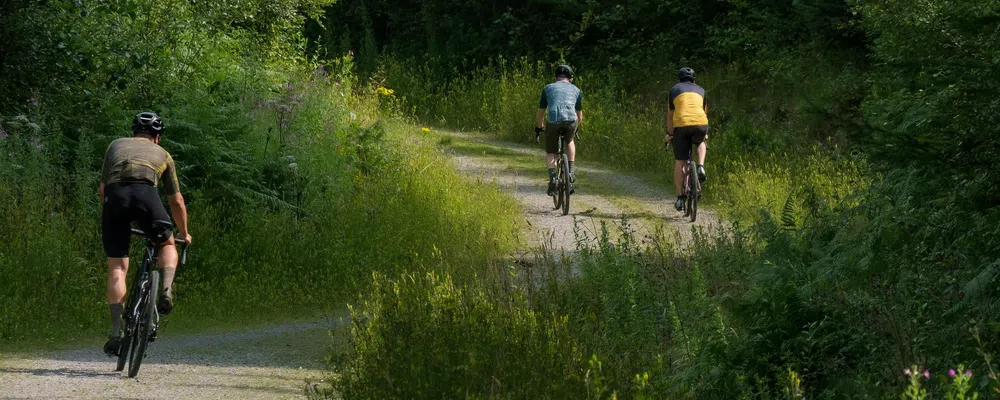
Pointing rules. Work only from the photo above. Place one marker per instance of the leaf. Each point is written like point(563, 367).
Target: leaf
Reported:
point(975, 287)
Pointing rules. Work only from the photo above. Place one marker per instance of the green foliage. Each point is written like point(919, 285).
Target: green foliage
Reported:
point(593, 33)
point(297, 179)
point(426, 336)
point(934, 98)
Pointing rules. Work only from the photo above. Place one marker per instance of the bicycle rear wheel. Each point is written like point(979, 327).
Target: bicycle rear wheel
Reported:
point(564, 188)
point(145, 323)
point(693, 194)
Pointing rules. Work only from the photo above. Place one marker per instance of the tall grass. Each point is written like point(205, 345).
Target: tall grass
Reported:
point(831, 280)
point(293, 206)
point(836, 308)
point(775, 135)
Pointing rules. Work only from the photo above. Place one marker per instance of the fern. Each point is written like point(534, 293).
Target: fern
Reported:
point(788, 213)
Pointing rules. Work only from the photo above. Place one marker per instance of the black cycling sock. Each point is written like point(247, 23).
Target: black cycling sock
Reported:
point(116, 318)
point(552, 174)
point(571, 167)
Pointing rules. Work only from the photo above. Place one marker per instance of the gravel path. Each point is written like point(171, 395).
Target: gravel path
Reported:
point(602, 195)
point(264, 363)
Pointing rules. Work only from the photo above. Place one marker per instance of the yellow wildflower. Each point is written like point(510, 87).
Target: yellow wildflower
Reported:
point(385, 91)
point(425, 129)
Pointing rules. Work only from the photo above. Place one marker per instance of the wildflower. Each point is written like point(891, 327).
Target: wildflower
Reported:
point(385, 91)
point(951, 373)
point(425, 129)
point(336, 84)
point(927, 373)
point(33, 101)
point(906, 372)
point(968, 373)
point(611, 245)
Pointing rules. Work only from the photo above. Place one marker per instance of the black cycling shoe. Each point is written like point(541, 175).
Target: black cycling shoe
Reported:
point(552, 188)
point(165, 304)
point(701, 173)
point(679, 204)
point(112, 346)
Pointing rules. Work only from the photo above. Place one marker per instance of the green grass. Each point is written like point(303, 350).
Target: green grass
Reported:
point(365, 198)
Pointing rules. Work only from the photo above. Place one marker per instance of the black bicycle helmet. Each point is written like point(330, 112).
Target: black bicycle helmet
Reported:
point(147, 122)
point(685, 75)
point(564, 70)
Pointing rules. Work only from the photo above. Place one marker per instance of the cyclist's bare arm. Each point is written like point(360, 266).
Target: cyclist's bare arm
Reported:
point(100, 191)
point(540, 118)
point(670, 124)
point(579, 117)
point(179, 211)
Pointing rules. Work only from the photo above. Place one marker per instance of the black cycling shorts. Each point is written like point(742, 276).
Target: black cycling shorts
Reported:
point(552, 132)
point(687, 137)
point(124, 203)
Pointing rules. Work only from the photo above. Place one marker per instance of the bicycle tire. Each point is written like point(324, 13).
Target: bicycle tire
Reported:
point(695, 193)
point(145, 325)
point(557, 200)
point(129, 319)
point(565, 184)
point(125, 346)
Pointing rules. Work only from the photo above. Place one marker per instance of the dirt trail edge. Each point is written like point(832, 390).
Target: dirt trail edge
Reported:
point(272, 362)
point(602, 194)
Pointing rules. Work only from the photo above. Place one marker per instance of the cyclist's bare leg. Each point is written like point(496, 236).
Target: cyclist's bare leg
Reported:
point(550, 160)
point(571, 151)
point(679, 176)
point(117, 269)
point(702, 149)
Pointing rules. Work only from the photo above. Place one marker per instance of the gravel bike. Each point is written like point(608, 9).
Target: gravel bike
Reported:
point(691, 186)
point(564, 186)
point(141, 319)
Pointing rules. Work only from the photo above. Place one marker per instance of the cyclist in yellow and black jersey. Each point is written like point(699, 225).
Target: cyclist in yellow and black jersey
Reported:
point(133, 168)
point(687, 126)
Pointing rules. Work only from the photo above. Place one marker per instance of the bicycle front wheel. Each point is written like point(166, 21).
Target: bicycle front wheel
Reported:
point(145, 325)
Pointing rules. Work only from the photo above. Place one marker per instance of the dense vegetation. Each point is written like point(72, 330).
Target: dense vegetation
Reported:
point(300, 183)
point(852, 147)
point(853, 150)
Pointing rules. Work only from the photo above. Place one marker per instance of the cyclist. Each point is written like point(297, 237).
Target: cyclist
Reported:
point(563, 101)
point(687, 125)
point(133, 168)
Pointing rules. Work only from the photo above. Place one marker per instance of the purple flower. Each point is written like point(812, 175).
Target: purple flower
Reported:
point(611, 245)
point(906, 372)
point(968, 373)
point(927, 373)
point(951, 373)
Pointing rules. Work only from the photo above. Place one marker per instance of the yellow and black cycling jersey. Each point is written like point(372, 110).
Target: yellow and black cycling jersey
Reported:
point(687, 101)
point(137, 159)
